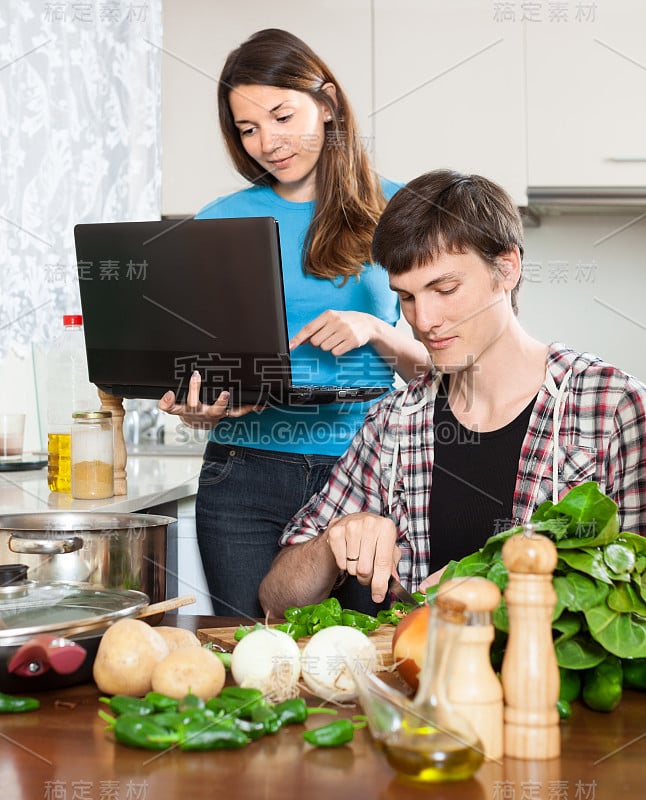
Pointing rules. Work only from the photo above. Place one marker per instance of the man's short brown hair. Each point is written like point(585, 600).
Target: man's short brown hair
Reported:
point(446, 212)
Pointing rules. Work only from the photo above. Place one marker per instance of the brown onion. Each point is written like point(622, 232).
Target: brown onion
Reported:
point(409, 644)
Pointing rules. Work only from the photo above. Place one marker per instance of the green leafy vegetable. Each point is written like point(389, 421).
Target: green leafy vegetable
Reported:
point(600, 581)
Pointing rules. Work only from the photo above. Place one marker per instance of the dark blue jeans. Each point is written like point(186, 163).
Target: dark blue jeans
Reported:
point(245, 499)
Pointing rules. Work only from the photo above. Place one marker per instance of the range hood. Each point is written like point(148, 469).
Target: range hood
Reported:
point(586, 199)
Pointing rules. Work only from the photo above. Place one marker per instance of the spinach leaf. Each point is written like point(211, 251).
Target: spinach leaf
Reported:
point(623, 635)
point(620, 558)
point(579, 653)
point(588, 560)
point(577, 592)
point(625, 599)
point(568, 625)
point(599, 580)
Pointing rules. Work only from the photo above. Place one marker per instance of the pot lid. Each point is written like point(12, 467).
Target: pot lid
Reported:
point(67, 609)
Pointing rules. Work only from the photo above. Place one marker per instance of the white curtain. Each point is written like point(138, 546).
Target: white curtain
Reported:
point(80, 141)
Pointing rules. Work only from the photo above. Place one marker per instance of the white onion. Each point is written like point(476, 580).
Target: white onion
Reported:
point(330, 656)
point(268, 660)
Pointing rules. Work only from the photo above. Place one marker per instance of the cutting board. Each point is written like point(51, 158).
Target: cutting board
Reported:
point(381, 638)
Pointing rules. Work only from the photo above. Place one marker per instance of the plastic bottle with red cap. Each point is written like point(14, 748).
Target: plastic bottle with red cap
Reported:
point(68, 390)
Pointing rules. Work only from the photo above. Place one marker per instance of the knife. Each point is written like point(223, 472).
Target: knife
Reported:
point(403, 595)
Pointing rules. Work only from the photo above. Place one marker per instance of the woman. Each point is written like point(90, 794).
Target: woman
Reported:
point(290, 131)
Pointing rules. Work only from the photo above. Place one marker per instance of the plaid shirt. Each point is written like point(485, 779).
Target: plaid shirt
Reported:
point(387, 469)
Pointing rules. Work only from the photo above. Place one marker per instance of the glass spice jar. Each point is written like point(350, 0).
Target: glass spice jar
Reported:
point(92, 455)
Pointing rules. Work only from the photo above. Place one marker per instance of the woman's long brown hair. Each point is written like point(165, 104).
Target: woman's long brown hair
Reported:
point(349, 199)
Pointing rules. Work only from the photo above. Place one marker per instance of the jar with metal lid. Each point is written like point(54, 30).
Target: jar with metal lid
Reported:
point(92, 455)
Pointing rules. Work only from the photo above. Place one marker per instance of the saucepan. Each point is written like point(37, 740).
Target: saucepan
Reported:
point(50, 632)
point(108, 550)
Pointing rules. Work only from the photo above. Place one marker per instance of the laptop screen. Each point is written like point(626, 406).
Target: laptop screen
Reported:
point(161, 299)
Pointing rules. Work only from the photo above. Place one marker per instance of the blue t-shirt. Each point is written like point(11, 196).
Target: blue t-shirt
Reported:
point(325, 429)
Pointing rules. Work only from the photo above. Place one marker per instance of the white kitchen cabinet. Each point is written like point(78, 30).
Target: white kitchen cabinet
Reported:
point(586, 82)
point(449, 91)
point(198, 35)
point(190, 574)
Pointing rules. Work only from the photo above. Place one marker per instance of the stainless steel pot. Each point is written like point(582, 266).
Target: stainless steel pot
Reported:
point(117, 551)
point(50, 633)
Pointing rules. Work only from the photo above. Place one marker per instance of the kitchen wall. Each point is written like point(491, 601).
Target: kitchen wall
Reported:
point(526, 93)
point(508, 89)
point(585, 284)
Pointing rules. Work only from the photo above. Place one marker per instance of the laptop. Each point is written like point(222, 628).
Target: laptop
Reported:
point(161, 299)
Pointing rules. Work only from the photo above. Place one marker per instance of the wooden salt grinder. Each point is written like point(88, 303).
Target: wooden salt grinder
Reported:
point(115, 406)
point(475, 691)
point(530, 675)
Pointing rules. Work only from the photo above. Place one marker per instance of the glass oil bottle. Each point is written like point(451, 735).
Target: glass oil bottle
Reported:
point(433, 743)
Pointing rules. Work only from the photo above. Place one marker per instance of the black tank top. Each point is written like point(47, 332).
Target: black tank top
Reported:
point(473, 481)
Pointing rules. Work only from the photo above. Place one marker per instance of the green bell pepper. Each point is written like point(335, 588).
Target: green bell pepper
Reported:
point(570, 686)
point(602, 685)
point(634, 673)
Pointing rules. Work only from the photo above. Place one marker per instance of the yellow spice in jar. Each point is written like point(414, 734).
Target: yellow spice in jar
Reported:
point(92, 480)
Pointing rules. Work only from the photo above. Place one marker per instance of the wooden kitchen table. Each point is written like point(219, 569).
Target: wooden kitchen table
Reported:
point(62, 752)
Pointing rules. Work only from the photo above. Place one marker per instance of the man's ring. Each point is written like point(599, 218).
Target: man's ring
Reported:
point(352, 559)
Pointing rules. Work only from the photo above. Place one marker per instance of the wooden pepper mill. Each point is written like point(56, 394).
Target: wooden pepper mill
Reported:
point(475, 691)
point(115, 406)
point(530, 675)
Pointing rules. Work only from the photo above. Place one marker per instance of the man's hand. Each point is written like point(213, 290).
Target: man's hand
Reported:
point(432, 580)
point(365, 545)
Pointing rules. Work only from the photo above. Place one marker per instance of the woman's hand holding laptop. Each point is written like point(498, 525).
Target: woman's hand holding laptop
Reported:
point(195, 413)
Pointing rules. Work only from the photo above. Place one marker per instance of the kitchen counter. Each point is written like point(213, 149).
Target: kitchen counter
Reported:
point(62, 752)
point(154, 479)
point(161, 480)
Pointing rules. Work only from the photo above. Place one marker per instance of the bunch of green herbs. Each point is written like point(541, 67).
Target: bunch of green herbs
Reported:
point(600, 580)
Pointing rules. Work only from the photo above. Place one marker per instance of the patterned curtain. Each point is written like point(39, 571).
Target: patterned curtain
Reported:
point(80, 141)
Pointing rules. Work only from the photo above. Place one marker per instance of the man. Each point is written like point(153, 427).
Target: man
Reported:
point(501, 422)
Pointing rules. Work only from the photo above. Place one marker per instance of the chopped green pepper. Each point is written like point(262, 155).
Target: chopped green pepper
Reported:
point(602, 685)
point(356, 619)
point(294, 629)
point(243, 630)
point(334, 734)
point(10, 704)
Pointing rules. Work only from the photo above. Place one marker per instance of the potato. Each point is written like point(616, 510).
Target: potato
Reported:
point(177, 637)
point(187, 670)
point(127, 653)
